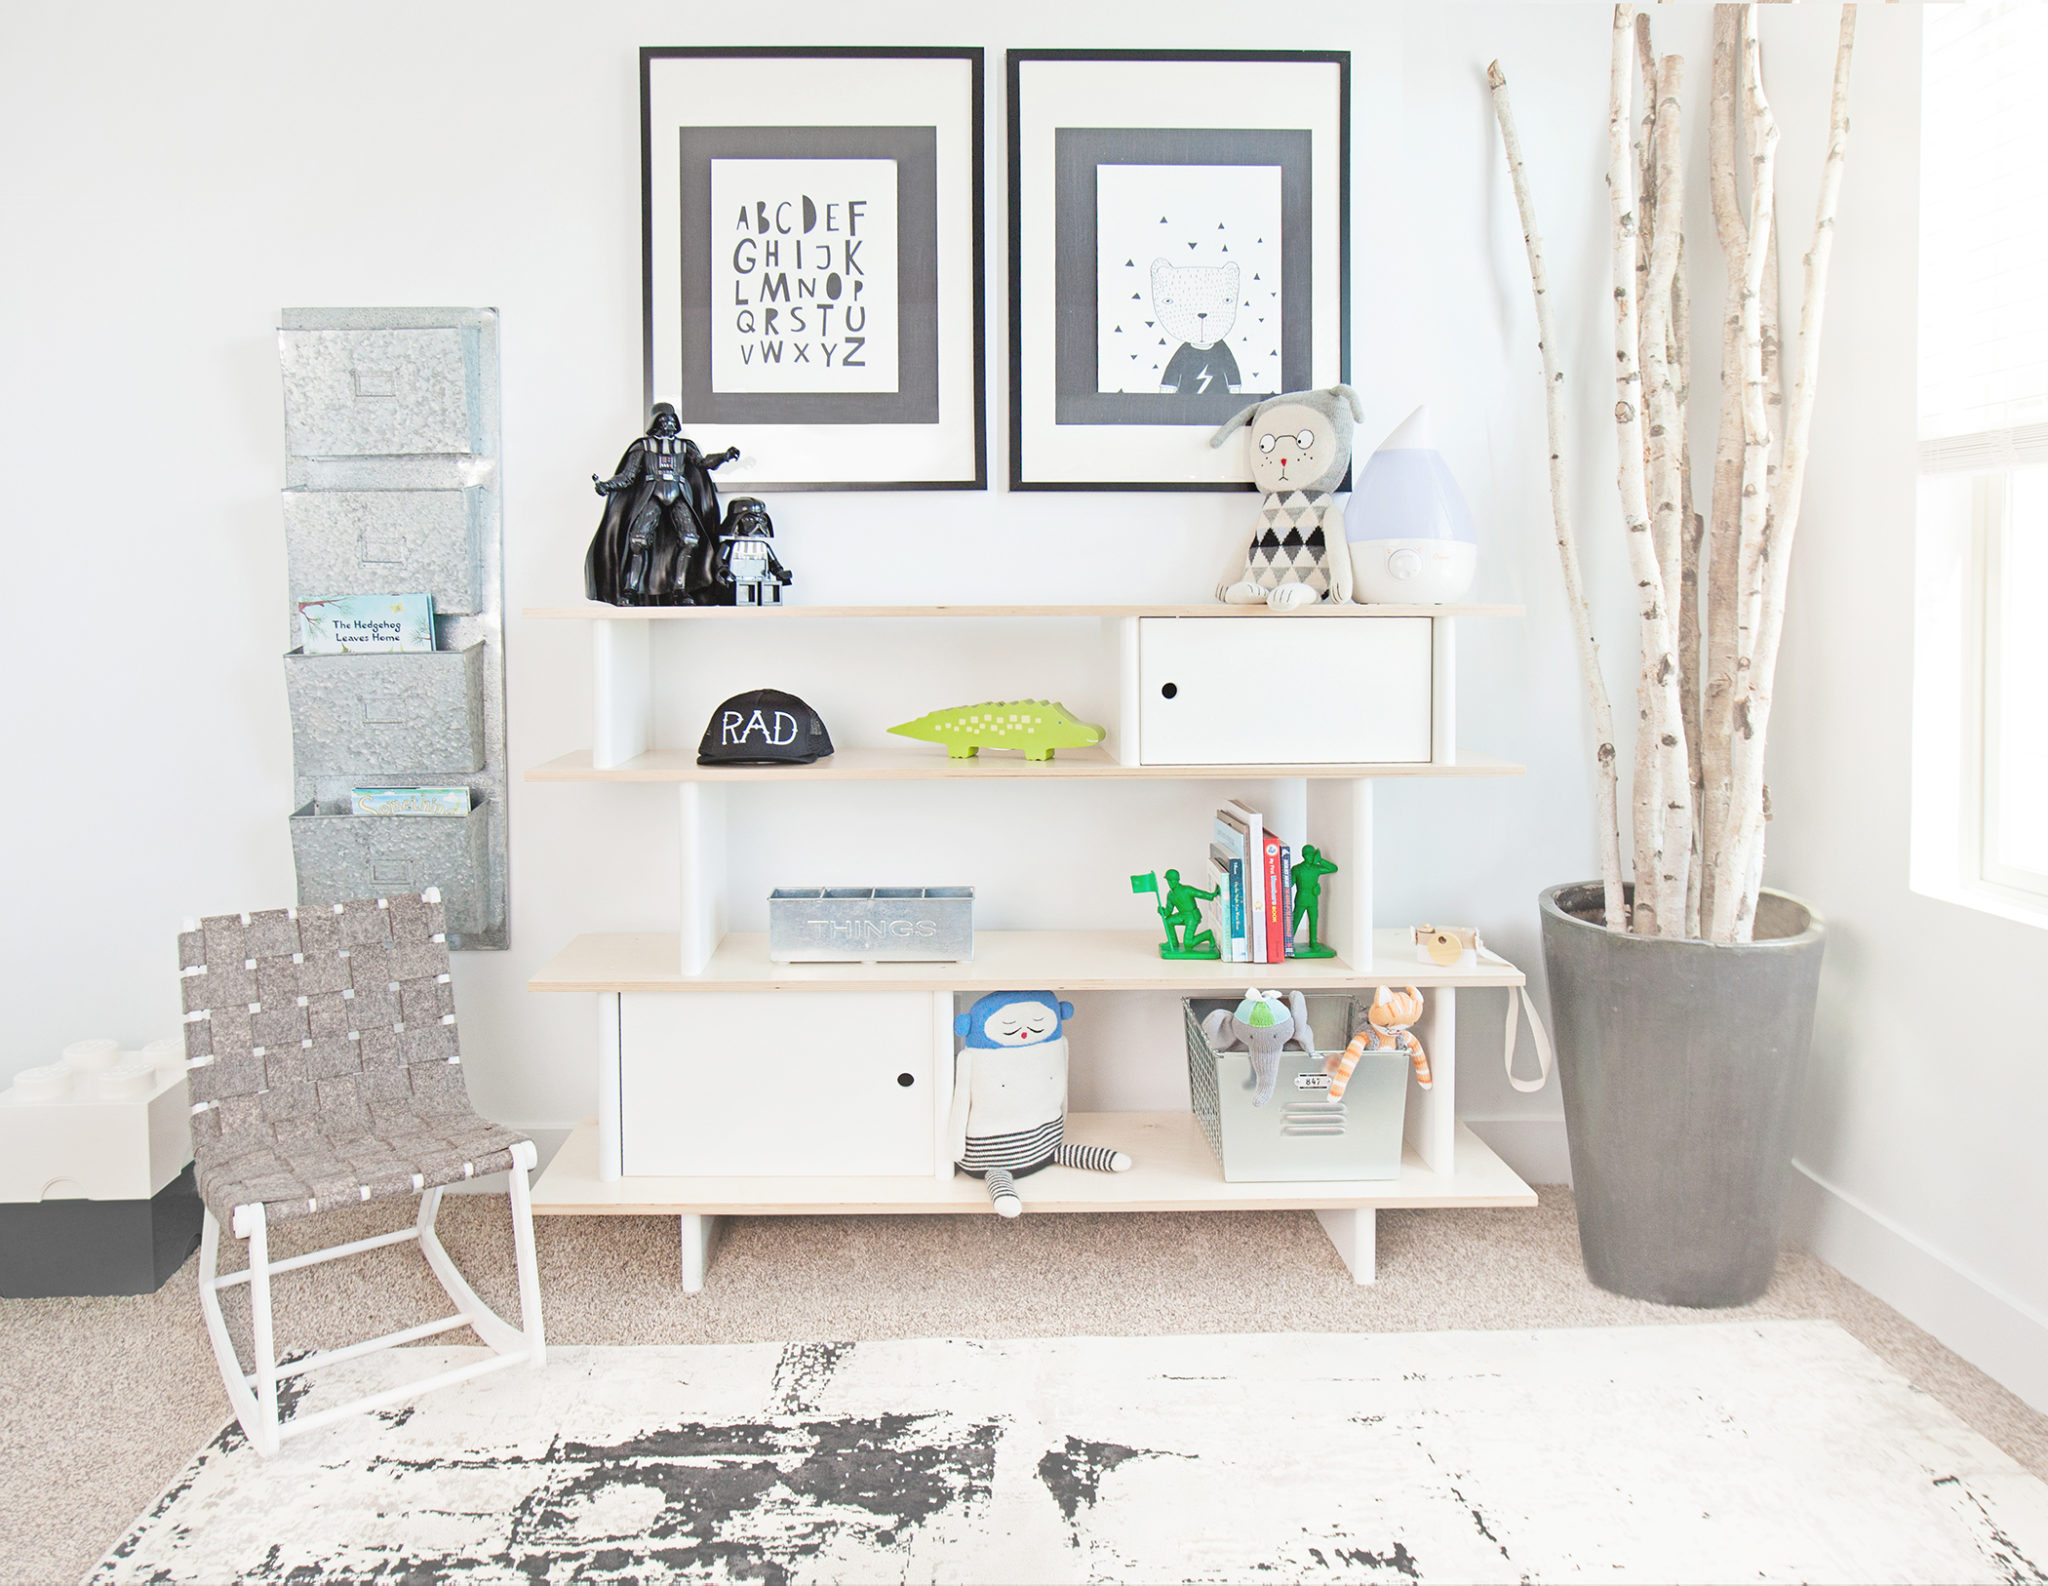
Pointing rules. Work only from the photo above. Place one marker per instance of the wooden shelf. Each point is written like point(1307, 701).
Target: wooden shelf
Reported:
point(1175, 1171)
point(592, 610)
point(1064, 961)
point(928, 763)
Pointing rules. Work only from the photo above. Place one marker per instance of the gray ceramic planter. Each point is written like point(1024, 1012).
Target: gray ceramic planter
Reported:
point(1681, 1064)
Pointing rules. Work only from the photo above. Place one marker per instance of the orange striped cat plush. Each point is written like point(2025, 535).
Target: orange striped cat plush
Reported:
point(1386, 1027)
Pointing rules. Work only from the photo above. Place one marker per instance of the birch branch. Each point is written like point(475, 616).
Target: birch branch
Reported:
point(1753, 709)
point(1685, 577)
point(1646, 183)
point(1657, 723)
point(1608, 813)
point(1693, 531)
point(1667, 505)
point(1729, 868)
point(1755, 547)
point(1717, 703)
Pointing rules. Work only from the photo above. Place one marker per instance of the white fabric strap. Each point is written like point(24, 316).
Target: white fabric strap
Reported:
point(1516, 1003)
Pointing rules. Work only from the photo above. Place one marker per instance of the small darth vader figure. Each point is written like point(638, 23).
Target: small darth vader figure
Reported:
point(653, 544)
point(749, 572)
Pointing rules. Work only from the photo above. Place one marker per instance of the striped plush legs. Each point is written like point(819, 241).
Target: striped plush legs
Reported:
point(1002, 1183)
point(1095, 1158)
point(1002, 1189)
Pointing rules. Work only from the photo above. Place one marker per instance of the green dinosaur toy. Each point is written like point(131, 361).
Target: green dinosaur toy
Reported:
point(1036, 726)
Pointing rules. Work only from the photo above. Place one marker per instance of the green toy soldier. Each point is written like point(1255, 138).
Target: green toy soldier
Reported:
point(1184, 909)
point(1308, 900)
point(1180, 912)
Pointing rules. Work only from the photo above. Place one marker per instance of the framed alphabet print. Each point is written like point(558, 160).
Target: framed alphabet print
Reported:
point(1179, 248)
point(812, 262)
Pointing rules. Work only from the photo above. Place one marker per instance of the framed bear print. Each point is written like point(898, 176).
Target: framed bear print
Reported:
point(811, 230)
point(1179, 249)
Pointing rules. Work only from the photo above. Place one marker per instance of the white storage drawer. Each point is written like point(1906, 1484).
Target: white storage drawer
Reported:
point(776, 1084)
point(1283, 691)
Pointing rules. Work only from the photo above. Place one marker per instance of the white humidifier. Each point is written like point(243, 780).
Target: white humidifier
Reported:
point(1408, 527)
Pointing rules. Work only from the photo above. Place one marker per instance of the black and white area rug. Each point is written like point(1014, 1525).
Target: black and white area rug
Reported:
point(1773, 1451)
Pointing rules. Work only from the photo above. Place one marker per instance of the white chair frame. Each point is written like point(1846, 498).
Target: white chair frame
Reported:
point(253, 1394)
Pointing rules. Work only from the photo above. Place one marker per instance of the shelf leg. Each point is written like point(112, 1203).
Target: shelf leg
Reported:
point(942, 1086)
point(1339, 821)
point(699, 1235)
point(1120, 646)
point(1432, 1122)
point(1443, 692)
point(1351, 1231)
point(610, 1149)
point(622, 721)
point(702, 816)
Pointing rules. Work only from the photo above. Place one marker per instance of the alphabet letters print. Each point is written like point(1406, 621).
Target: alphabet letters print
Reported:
point(804, 275)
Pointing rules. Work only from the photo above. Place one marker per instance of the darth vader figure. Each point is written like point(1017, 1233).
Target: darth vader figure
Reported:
point(748, 570)
point(654, 544)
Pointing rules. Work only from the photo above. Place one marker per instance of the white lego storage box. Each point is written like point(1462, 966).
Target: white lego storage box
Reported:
point(96, 1192)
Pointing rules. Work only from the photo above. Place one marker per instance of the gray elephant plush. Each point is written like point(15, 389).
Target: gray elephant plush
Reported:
point(1300, 447)
point(1262, 1024)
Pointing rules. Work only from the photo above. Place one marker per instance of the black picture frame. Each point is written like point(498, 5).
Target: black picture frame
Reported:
point(940, 400)
point(1076, 316)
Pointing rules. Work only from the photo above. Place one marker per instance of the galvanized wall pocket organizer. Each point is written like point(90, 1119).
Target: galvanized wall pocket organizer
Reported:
point(392, 487)
point(870, 925)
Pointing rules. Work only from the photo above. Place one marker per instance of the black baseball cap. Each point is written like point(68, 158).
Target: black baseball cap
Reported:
point(764, 727)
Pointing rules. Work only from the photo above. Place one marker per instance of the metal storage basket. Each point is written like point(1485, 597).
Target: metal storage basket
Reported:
point(1300, 1135)
point(871, 925)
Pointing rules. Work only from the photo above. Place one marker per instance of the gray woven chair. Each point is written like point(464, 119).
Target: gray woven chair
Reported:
point(325, 1072)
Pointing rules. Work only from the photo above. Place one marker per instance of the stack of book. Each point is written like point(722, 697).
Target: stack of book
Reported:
point(1250, 871)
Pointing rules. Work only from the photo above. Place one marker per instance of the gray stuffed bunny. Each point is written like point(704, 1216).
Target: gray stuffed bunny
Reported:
point(1300, 445)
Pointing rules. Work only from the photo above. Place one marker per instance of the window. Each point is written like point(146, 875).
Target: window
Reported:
point(1980, 810)
point(2013, 835)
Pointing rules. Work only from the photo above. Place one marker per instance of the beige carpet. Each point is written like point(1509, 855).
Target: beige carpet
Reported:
point(103, 1401)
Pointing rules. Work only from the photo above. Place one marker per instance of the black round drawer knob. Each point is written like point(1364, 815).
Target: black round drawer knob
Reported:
point(1168, 690)
point(906, 1080)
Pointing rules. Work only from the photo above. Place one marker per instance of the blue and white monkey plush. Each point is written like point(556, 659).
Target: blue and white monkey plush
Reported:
point(1010, 1095)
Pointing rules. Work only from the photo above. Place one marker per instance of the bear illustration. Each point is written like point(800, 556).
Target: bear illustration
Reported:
point(1198, 304)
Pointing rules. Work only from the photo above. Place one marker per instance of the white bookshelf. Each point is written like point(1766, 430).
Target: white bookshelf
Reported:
point(1176, 1171)
point(1320, 792)
point(923, 764)
point(1066, 960)
point(597, 611)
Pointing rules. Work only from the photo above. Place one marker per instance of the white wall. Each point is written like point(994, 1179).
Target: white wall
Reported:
point(212, 168)
point(1920, 1162)
point(172, 178)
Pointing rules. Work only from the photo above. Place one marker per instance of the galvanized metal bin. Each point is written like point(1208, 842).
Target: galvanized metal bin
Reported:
point(381, 715)
point(380, 391)
point(384, 542)
point(870, 925)
point(358, 856)
point(1300, 1135)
